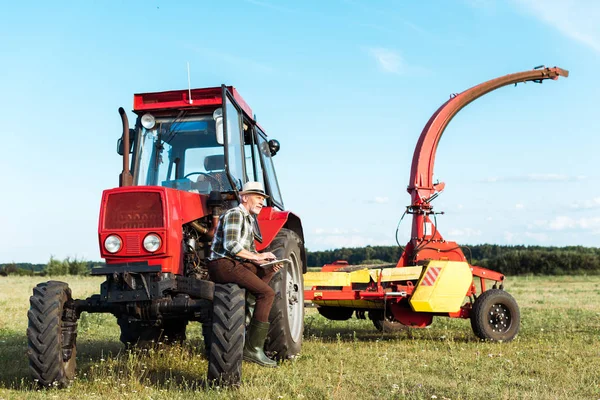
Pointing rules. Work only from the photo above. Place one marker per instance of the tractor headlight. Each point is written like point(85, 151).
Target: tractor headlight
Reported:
point(148, 121)
point(112, 243)
point(152, 242)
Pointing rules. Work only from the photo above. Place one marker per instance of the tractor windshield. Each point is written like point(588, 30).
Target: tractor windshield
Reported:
point(182, 154)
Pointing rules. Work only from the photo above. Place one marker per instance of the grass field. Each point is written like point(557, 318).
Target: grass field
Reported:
point(555, 356)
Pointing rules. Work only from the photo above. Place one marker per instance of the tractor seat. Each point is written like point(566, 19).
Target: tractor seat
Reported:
point(215, 168)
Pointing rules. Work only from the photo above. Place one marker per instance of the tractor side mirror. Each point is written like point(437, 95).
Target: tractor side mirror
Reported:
point(120, 147)
point(274, 146)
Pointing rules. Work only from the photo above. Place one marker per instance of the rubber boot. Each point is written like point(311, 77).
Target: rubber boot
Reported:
point(255, 342)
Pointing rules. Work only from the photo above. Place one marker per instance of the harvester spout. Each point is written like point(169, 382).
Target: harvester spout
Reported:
point(125, 178)
point(421, 186)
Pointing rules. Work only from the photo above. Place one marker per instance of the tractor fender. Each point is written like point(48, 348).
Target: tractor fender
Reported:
point(271, 221)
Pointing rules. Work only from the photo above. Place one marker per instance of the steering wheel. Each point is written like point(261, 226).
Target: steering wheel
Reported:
point(210, 177)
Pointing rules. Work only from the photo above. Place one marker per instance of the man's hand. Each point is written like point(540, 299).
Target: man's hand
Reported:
point(261, 258)
point(277, 267)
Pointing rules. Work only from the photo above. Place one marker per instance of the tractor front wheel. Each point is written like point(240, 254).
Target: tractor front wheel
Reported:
point(287, 314)
point(51, 335)
point(226, 332)
point(495, 316)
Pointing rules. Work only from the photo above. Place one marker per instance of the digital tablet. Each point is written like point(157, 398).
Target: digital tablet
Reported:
point(273, 263)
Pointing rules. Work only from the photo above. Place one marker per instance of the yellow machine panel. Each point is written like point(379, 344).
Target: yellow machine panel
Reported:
point(336, 278)
point(397, 274)
point(442, 287)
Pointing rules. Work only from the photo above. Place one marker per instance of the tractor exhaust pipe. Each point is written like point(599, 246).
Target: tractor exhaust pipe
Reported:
point(125, 178)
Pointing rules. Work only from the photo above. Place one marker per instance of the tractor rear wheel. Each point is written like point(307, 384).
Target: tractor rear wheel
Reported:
point(226, 335)
point(287, 314)
point(51, 356)
point(336, 313)
point(495, 316)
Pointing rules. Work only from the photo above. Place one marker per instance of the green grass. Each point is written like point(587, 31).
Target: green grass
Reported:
point(555, 356)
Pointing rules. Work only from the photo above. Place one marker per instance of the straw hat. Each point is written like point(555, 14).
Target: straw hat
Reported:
point(254, 188)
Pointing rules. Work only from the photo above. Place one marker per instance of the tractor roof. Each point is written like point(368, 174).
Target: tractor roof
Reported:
point(180, 100)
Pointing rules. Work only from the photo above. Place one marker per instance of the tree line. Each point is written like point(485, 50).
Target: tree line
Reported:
point(68, 266)
point(509, 260)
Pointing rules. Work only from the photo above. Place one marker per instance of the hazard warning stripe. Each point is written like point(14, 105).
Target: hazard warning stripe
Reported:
point(430, 276)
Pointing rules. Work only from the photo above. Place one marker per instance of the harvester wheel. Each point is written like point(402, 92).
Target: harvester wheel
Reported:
point(287, 314)
point(51, 358)
point(495, 316)
point(227, 335)
point(388, 324)
point(336, 313)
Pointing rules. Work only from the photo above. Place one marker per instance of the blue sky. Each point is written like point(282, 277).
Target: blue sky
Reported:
point(345, 86)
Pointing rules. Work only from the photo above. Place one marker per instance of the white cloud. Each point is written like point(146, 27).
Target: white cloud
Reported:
point(519, 206)
point(537, 236)
point(512, 237)
point(562, 222)
point(388, 60)
point(577, 19)
point(463, 233)
point(380, 200)
point(587, 204)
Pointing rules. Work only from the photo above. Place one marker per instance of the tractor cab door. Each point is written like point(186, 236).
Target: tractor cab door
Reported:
point(247, 151)
point(233, 140)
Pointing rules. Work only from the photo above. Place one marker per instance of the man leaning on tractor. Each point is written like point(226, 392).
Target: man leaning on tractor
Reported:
point(234, 259)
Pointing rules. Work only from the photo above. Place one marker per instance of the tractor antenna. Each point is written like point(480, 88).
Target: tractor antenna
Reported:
point(189, 86)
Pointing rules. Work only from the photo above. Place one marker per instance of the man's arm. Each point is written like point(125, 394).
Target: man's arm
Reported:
point(256, 257)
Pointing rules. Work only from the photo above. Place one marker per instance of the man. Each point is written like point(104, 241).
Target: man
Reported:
point(234, 259)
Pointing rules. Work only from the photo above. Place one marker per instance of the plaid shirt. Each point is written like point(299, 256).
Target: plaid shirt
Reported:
point(234, 233)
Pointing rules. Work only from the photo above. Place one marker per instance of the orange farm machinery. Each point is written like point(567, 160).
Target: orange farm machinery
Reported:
point(432, 276)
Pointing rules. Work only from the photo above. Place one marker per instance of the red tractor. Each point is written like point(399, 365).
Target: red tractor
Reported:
point(192, 150)
point(432, 277)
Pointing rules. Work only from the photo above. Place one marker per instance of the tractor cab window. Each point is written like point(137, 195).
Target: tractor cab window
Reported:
point(269, 169)
point(254, 168)
point(234, 146)
point(183, 154)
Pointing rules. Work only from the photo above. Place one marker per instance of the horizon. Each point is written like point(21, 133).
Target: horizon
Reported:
point(345, 86)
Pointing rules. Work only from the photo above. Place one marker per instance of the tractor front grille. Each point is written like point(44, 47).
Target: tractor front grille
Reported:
point(134, 210)
point(133, 244)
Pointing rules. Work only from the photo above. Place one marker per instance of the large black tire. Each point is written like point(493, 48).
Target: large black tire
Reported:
point(287, 314)
point(227, 335)
point(386, 325)
point(145, 334)
point(495, 316)
point(49, 365)
point(336, 313)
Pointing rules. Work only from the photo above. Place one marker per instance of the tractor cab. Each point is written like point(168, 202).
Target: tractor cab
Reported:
point(200, 141)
